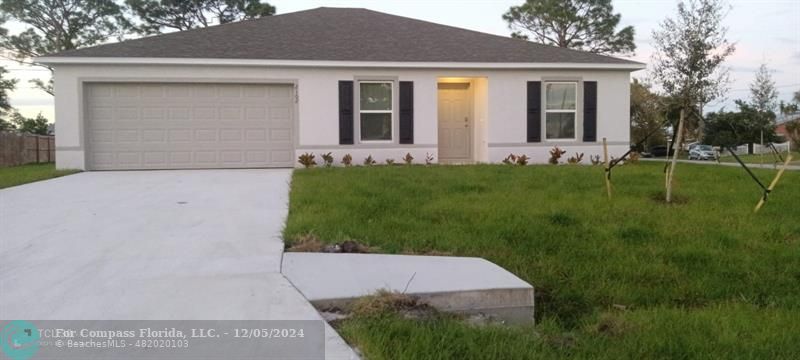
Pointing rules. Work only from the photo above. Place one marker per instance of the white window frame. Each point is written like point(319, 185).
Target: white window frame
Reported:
point(573, 111)
point(390, 111)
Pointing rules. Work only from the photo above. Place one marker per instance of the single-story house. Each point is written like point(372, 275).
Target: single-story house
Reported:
point(259, 93)
point(782, 122)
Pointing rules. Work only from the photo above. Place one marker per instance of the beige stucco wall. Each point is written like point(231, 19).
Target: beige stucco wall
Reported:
point(500, 111)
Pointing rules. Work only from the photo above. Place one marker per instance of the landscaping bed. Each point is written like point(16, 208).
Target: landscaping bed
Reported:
point(628, 278)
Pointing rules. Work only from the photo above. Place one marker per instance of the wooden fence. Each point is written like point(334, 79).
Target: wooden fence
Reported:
point(19, 149)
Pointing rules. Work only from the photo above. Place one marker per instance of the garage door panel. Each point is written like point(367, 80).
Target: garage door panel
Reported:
point(177, 126)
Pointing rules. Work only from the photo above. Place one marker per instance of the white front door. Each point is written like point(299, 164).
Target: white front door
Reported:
point(455, 122)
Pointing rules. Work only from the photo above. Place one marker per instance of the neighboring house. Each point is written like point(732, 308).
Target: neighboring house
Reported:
point(259, 93)
point(782, 121)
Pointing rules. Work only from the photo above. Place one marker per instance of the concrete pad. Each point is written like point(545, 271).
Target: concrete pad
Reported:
point(150, 245)
point(454, 284)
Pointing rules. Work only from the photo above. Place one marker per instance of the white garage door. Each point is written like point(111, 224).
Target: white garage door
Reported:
point(185, 126)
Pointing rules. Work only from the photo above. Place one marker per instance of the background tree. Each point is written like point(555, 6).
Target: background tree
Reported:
point(763, 94)
point(687, 64)
point(763, 99)
point(57, 25)
point(37, 125)
point(157, 16)
point(6, 85)
point(744, 126)
point(647, 115)
point(588, 25)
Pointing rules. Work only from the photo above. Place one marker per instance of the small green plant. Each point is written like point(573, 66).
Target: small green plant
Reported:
point(595, 159)
point(556, 154)
point(347, 160)
point(408, 159)
point(369, 161)
point(522, 160)
point(307, 160)
point(575, 159)
point(428, 159)
point(327, 159)
point(511, 159)
point(389, 161)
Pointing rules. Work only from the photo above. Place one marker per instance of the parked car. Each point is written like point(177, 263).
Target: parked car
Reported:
point(702, 152)
point(658, 151)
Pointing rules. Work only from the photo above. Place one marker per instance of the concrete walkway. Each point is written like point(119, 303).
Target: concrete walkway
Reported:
point(454, 284)
point(752, 166)
point(150, 245)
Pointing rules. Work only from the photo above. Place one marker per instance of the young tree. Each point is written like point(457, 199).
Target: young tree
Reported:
point(763, 94)
point(690, 50)
point(6, 85)
point(763, 99)
point(157, 16)
point(647, 115)
point(588, 25)
point(57, 25)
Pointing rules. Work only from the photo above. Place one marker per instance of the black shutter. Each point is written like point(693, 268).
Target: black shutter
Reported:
point(406, 112)
point(534, 111)
point(590, 111)
point(345, 112)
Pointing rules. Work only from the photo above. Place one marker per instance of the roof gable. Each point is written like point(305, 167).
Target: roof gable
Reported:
point(341, 34)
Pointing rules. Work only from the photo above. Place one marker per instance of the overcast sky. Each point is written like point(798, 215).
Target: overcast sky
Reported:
point(764, 31)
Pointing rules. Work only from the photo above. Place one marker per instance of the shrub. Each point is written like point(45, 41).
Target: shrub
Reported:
point(408, 159)
point(307, 160)
point(327, 159)
point(575, 159)
point(428, 159)
point(511, 159)
point(522, 160)
point(389, 161)
point(595, 159)
point(556, 154)
point(347, 160)
point(369, 161)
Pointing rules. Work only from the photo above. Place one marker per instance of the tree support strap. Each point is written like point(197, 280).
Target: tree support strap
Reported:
point(775, 151)
point(773, 183)
point(630, 150)
point(764, 188)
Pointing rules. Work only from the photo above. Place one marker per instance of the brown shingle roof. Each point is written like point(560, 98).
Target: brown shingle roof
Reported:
point(341, 34)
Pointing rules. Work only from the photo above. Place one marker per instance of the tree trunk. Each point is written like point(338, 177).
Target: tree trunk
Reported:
point(677, 146)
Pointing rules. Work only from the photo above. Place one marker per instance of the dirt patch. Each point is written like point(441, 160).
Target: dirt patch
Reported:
point(677, 199)
point(612, 325)
point(385, 301)
point(310, 243)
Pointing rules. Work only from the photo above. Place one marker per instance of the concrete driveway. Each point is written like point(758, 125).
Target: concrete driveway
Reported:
point(150, 245)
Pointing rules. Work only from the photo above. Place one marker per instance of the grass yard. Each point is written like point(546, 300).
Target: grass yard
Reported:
point(767, 159)
point(630, 278)
point(23, 174)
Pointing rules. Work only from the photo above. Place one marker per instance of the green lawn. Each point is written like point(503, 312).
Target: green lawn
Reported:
point(767, 158)
point(706, 278)
point(23, 174)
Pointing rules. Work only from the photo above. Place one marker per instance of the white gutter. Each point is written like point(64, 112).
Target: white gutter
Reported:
point(335, 64)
